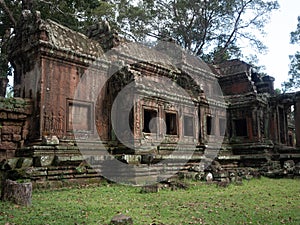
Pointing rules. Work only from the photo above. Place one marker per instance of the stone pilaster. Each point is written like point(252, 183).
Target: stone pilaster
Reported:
point(297, 118)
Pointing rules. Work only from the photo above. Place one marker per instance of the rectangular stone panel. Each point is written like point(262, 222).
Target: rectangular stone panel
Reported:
point(80, 116)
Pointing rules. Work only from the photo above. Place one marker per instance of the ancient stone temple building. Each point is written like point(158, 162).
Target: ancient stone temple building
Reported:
point(100, 94)
point(260, 120)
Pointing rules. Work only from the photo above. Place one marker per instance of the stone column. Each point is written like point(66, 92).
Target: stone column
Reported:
point(297, 118)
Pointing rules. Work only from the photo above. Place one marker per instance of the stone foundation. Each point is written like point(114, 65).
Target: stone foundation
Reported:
point(57, 166)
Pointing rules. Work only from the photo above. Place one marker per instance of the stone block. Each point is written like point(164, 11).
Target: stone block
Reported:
point(43, 161)
point(36, 173)
point(27, 162)
point(11, 163)
point(297, 169)
point(10, 153)
point(50, 140)
point(150, 189)
point(28, 110)
point(121, 220)
point(24, 163)
point(12, 123)
point(46, 160)
point(60, 172)
point(17, 137)
point(76, 158)
point(209, 177)
point(19, 163)
point(13, 116)
point(21, 144)
point(11, 129)
point(62, 160)
point(2, 155)
point(25, 133)
point(3, 115)
point(6, 137)
point(6, 145)
point(22, 116)
point(289, 166)
point(19, 102)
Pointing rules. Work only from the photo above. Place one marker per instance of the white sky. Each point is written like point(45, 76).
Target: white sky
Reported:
point(282, 23)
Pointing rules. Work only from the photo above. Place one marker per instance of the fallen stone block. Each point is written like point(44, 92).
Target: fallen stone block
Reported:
point(121, 220)
point(150, 189)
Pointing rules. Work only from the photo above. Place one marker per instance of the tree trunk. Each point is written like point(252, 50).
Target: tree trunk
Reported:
point(3, 86)
point(8, 12)
point(18, 193)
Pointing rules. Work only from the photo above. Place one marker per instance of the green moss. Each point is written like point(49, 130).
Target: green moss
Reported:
point(22, 181)
point(12, 103)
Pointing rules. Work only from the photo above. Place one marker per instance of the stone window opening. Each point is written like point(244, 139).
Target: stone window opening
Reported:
point(150, 121)
point(210, 125)
point(291, 115)
point(291, 140)
point(131, 119)
point(240, 126)
point(188, 126)
point(171, 123)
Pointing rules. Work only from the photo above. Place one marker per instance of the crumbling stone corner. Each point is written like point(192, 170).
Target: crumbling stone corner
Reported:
point(14, 125)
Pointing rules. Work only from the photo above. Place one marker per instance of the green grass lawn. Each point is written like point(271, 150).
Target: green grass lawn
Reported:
point(259, 201)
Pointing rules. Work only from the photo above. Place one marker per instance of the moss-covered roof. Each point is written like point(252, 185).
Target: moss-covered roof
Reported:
point(66, 39)
point(233, 67)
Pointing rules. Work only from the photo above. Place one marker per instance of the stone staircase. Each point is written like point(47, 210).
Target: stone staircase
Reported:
point(46, 164)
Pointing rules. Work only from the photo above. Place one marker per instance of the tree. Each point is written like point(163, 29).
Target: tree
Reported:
point(7, 21)
point(294, 72)
point(211, 29)
point(75, 14)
